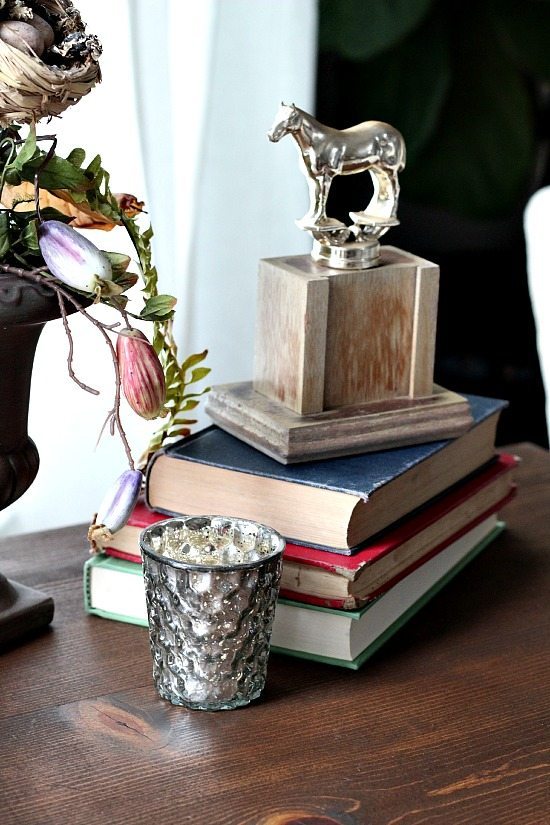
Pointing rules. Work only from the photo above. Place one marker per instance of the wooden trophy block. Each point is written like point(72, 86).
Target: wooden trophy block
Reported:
point(343, 362)
point(327, 339)
point(291, 328)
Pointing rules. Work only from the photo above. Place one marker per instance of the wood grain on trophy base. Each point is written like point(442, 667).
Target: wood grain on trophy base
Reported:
point(327, 339)
point(290, 437)
point(291, 323)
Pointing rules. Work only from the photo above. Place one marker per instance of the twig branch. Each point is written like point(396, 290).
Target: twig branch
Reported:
point(47, 158)
point(69, 334)
point(37, 276)
point(11, 144)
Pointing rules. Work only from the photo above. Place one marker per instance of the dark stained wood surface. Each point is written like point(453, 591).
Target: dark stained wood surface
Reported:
point(448, 724)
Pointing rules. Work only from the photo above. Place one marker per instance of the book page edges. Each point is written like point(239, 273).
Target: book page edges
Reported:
point(423, 481)
point(350, 590)
point(354, 663)
point(324, 515)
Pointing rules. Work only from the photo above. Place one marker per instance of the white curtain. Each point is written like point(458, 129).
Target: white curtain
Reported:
point(537, 244)
point(188, 93)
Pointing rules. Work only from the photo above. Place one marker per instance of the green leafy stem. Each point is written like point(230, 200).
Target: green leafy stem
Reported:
point(88, 187)
point(179, 377)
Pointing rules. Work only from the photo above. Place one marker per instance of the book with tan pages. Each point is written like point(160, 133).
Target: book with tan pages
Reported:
point(334, 503)
point(333, 580)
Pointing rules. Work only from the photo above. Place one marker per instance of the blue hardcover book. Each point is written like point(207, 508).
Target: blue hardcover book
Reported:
point(335, 503)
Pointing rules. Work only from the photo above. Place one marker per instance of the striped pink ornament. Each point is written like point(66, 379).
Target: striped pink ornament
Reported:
point(141, 374)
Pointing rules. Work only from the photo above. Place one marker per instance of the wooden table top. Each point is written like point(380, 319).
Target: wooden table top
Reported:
point(448, 723)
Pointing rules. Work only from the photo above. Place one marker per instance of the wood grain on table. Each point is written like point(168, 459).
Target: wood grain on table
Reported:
point(448, 723)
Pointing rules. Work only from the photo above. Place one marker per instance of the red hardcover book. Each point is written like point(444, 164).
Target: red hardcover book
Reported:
point(332, 580)
point(320, 577)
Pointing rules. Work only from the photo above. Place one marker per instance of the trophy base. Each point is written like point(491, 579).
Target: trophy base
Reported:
point(374, 221)
point(289, 437)
point(351, 255)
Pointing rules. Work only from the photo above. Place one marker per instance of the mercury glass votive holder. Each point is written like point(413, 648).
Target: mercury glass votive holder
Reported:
point(211, 585)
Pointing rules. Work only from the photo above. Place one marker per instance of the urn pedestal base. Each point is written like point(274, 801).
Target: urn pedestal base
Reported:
point(290, 437)
point(25, 307)
point(22, 611)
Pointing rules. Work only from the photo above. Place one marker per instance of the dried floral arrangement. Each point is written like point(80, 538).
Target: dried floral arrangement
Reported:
point(48, 62)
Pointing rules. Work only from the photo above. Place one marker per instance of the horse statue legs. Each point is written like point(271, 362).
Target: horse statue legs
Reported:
point(379, 215)
point(381, 211)
point(316, 217)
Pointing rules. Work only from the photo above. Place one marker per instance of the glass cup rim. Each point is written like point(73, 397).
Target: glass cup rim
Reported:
point(147, 550)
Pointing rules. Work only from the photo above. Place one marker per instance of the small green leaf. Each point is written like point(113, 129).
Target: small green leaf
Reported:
point(194, 359)
point(52, 214)
point(13, 177)
point(4, 235)
point(58, 174)
point(117, 301)
point(197, 394)
point(190, 404)
point(198, 374)
point(125, 280)
point(158, 307)
point(173, 374)
point(119, 262)
point(94, 166)
point(30, 237)
point(77, 157)
point(27, 151)
point(181, 421)
point(158, 341)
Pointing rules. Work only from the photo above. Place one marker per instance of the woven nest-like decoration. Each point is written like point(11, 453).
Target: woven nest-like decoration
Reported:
point(42, 76)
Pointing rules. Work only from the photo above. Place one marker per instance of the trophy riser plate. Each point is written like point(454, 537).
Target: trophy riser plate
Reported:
point(352, 255)
point(291, 438)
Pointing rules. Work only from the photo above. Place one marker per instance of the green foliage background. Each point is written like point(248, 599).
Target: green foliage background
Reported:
point(465, 83)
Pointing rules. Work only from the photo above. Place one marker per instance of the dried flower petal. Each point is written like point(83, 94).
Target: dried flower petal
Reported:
point(21, 198)
point(129, 204)
point(141, 373)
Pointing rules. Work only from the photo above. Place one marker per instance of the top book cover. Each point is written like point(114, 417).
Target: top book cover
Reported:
point(335, 503)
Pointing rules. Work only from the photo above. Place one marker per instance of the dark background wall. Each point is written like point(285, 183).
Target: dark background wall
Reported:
point(467, 84)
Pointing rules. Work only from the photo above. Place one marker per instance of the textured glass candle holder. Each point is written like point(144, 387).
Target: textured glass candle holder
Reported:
point(211, 585)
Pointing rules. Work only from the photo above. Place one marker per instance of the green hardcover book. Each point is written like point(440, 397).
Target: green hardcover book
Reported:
point(113, 589)
point(349, 637)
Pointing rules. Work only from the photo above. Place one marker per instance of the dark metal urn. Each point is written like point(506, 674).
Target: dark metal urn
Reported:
point(24, 309)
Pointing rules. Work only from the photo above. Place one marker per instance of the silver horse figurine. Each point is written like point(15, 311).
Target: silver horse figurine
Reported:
point(373, 147)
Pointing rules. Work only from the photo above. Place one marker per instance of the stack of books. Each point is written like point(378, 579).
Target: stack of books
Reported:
point(370, 538)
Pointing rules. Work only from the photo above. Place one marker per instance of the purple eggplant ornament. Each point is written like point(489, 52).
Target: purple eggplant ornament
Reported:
point(116, 507)
point(72, 258)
